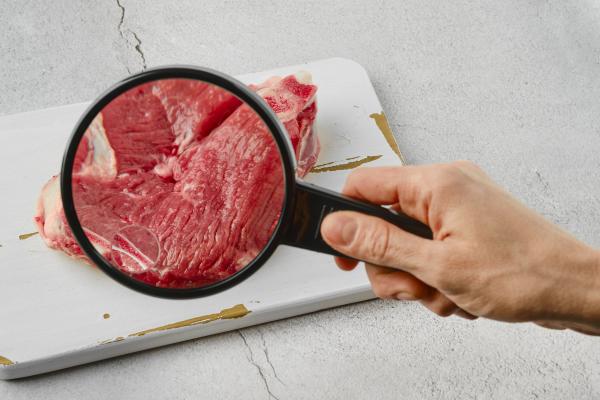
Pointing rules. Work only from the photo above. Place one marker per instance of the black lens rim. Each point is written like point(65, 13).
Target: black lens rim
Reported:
point(238, 89)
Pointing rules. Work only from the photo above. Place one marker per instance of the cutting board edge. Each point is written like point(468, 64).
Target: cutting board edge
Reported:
point(99, 352)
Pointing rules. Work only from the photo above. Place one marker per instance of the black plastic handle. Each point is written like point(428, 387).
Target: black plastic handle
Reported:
point(313, 203)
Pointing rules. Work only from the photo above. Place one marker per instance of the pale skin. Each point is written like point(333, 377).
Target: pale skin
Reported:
point(490, 256)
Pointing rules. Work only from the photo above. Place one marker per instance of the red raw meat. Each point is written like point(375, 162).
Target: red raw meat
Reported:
point(194, 109)
point(204, 180)
point(133, 129)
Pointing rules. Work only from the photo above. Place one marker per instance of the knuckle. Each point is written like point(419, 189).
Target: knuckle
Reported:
point(443, 309)
point(446, 177)
point(380, 291)
point(465, 164)
point(382, 287)
point(446, 311)
point(376, 241)
point(354, 177)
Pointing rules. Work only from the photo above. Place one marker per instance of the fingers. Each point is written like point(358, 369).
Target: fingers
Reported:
point(585, 329)
point(346, 264)
point(377, 242)
point(440, 304)
point(388, 283)
point(410, 188)
point(415, 262)
point(463, 314)
point(390, 185)
point(560, 325)
point(551, 325)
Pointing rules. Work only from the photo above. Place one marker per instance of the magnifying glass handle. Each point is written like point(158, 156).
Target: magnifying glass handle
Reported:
point(313, 203)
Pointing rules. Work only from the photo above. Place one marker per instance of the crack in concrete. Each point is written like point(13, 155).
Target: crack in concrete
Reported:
point(258, 367)
point(543, 182)
point(122, 17)
point(138, 48)
point(411, 126)
point(266, 351)
point(122, 32)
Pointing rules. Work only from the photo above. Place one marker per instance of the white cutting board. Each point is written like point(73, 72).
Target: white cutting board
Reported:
point(52, 308)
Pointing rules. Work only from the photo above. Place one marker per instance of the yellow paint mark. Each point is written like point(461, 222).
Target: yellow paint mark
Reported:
point(117, 339)
point(352, 158)
point(348, 165)
point(236, 311)
point(324, 164)
point(106, 316)
point(384, 127)
point(5, 361)
point(27, 235)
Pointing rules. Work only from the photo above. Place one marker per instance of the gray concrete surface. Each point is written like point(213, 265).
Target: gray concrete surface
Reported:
point(513, 85)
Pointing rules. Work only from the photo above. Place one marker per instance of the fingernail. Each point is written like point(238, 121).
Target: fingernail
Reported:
point(339, 229)
point(405, 296)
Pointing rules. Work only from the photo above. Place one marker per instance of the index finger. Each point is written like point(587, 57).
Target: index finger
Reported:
point(399, 186)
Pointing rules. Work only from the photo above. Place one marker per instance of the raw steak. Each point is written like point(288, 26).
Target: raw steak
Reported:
point(190, 185)
point(194, 109)
point(132, 133)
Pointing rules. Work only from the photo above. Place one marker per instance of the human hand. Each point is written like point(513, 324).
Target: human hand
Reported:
point(490, 256)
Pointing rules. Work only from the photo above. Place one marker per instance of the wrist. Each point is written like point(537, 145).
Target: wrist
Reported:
point(576, 297)
point(590, 310)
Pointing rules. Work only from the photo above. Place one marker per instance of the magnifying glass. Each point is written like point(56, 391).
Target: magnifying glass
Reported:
point(181, 182)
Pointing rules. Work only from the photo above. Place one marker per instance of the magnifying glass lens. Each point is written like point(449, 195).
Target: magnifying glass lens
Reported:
point(177, 183)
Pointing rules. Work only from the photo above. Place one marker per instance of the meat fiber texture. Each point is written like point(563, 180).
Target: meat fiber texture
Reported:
point(180, 185)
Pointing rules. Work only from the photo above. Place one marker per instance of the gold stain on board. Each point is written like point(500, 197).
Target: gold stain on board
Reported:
point(236, 311)
point(333, 166)
point(117, 339)
point(324, 164)
point(384, 127)
point(27, 235)
point(5, 361)
point(106, 316)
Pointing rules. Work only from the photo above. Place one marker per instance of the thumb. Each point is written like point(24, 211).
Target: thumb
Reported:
point(376, 241)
